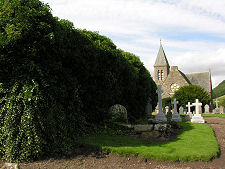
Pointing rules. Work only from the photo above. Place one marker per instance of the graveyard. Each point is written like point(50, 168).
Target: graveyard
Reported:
point(72, 98)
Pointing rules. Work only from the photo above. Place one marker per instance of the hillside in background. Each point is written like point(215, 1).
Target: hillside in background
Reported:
point(219, 90)
point(221, 100)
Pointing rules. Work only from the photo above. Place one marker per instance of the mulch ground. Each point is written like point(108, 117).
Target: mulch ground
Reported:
point(90, 158)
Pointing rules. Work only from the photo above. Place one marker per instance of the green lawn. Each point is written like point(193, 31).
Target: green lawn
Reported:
point(214, 115)
point(196, 143)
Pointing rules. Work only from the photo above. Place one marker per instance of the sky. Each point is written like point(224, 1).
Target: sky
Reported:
point(192, 32)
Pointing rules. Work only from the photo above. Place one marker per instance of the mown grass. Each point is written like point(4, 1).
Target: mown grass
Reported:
point(214, 115)
point(196, 143)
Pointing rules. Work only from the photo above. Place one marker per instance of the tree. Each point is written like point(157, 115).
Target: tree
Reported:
point(189, 93)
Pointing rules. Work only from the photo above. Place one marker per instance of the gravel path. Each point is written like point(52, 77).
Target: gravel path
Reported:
point(89, 159)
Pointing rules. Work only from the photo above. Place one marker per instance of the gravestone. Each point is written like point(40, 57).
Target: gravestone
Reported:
point(157, 109)
point(197, 118)
point(181, 110)
point(189, 113)
point(118, 113)
point(206, 109)
point(148, 108)
point(175, 116)
point(160, 116)
point(185, 111)
point(217, 101)
point(222, 110)
point(167, 109)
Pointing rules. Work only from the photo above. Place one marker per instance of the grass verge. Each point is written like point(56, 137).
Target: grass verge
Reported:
point(196, 143)
point(214, 115)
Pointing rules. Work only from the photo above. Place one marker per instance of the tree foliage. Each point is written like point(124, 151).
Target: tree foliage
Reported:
point(190, 93)
point(55, 79)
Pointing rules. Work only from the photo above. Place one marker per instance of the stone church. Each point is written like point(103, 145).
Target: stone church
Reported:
point(171, 78)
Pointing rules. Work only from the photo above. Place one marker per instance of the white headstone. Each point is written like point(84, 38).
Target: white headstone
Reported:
point(160, 116)
point(175, 116)
point(217, 101)
point(222, 110)
point(197, 118)
point(206, 109)
point(181, 110)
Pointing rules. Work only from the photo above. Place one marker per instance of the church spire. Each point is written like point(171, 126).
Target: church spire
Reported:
point(161, 59)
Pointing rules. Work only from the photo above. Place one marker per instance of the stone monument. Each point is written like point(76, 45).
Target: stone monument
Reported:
point(175, 116)
point(206, 109)
point(189, 113)
point(216, 110)
point(160, 116)
point(148, 108)
point(222, 110)
point(197, 118)
point(181, 110)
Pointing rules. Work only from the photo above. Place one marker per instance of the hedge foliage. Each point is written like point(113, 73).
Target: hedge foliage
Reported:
point(190, 93)
point(56, 79)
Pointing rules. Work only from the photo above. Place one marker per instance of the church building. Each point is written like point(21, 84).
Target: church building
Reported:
point(171, 78)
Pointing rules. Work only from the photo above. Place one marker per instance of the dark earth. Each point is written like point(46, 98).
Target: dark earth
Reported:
point(91, 158)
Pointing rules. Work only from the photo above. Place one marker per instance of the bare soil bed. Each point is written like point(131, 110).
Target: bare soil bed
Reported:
point(91, 158)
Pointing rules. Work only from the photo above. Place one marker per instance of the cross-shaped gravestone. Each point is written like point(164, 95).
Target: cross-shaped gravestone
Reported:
point(159, 91)
point(189, 107)
point(175, 116)
point(160, 116)
point(197, 118)
point(174, 102)
point(197, 104)
point(217, 101)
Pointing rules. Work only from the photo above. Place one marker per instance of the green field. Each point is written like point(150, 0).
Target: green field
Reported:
point(196, 143)
point(214, 115)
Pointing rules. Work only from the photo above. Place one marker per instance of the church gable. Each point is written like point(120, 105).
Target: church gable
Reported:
point(201, 79)
point(173, 82)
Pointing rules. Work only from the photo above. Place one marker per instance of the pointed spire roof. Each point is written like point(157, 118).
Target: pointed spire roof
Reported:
point(161, 59)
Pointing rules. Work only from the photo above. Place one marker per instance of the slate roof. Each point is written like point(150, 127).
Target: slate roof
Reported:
point(201, 79)
point(161, 59)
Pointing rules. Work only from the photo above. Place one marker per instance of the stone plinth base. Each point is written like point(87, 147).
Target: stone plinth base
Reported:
point(176, 117)
point(160, 117)
point(197, 118)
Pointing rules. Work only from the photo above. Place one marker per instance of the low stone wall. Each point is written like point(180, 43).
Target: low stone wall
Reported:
point(157, 130)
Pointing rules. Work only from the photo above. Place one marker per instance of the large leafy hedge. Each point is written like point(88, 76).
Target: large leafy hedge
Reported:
point(55, 79)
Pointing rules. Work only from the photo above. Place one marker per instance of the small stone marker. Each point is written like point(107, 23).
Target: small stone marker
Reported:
point(181, 110)
point(197, 118)
point(160, 116)
point(148, 108)
point(206, 109)
point(175, 116)
point(222, 110)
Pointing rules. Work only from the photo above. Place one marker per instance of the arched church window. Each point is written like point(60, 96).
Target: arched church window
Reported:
point(158, 74)
point(161, 74)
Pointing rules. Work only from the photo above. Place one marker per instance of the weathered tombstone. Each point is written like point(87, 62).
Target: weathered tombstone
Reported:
point(206, 109)
point(167, 109)
point(185, 111)
point(175, 116)
point(148, 108)
point(222, 110)
point(118, 113)
point(197, 118)
point(160, 116)
point(189, 113)
point(181, 110)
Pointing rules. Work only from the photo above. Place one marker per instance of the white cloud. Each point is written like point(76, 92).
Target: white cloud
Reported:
point(137, 25)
